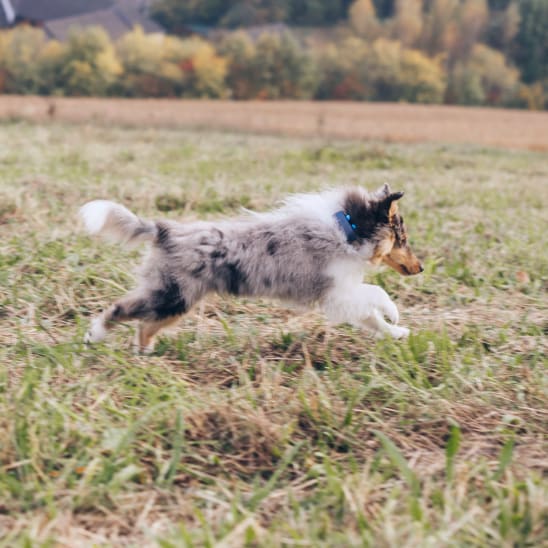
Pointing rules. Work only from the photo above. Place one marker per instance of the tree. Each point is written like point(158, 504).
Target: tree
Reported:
point(473, 16)
point(339, 67)
point(316, 12)
point(20, 55)
point(485, 77)
point(239, 51)
point(151, 69)
point(395, 73)
point(282, 69)
point(408, 21)
point(90, 64)
point(363, 19)
point(503, 26)
point(382, 71)
point(174, 15)
point(531, 42)
point(440, 29)
point(203, 70)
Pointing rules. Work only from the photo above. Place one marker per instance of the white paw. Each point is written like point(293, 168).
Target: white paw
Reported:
point(399, 332)
point(139, 350)
point(395, 331)
point(96, 332)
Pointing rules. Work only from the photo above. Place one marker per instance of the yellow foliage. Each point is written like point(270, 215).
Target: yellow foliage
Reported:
point(139, 51)
point(534, 96)
point(107, 63)
point(210, 70)
point(408, 21)
point(424, 75)
point(363, 19)
point(90, 64)
point(484, 77)
point(398, 73)
point(158, 64)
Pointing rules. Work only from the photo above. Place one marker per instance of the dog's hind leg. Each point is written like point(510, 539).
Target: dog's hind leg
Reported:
point(132, 306)
point(146, 334)
point(156, 308)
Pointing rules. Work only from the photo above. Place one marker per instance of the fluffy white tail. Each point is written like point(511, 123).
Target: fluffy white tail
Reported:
point(116, 223)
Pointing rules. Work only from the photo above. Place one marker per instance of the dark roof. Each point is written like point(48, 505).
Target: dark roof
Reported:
point(45, 10)
point(256, 31)
point(133, 15)
point(116, 21)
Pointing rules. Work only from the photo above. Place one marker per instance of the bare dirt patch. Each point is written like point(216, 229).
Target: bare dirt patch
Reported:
point(379, 121)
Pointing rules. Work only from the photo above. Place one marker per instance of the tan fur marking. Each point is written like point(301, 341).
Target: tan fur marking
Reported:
point(384, 246)
point(392, 212)
point(148, 330)
point(403, 260)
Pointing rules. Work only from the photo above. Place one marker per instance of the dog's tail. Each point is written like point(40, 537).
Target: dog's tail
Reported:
point(116, 223)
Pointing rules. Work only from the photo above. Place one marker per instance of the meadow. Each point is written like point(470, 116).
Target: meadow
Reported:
point(252, 424)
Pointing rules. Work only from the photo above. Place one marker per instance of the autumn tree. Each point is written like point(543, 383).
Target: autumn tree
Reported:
point(363, 19)
point(203, 69)
point(21, 51)
point(484, 78)
point(239, 51)
point(282, 69)
point(472, 19)
point(90, 64)
point(148, 69)
point(407, 24)
point(440, 28)
point(532, 40)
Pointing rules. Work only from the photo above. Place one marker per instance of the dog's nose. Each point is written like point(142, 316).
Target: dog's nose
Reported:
point(421, 268)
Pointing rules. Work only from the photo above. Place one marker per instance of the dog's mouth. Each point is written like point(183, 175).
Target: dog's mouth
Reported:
point(404, 270)
point(407, 272)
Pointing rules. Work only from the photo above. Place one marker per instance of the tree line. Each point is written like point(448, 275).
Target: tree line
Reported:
point(471, 52)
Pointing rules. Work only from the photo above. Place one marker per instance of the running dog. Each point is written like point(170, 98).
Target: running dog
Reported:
point(312, 251)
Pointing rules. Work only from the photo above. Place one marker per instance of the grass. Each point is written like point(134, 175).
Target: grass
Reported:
point(254, 425)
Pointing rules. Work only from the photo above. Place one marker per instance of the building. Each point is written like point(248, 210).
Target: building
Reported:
point(59, 17)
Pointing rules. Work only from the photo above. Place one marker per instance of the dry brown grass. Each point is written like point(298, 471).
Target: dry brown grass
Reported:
point(379, 121)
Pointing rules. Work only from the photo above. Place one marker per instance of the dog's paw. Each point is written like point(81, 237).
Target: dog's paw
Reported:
point(399, 332)
point(139, 350)
point(96, 332)
point(395, 331)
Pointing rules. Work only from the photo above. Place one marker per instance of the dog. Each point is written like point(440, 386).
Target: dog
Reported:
point(312, 251)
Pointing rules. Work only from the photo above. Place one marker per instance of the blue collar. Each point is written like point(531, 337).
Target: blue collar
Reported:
point(349, 228)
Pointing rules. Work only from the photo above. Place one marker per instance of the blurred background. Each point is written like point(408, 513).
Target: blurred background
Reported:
point(464, 52)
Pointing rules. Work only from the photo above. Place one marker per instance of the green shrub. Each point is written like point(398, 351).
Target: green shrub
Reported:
point(383, 71)
point(276, 67)
point(22, 51)
point(90, 65)
point(483, 78)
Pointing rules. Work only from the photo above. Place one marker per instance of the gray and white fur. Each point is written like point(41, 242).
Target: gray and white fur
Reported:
point(296, 253)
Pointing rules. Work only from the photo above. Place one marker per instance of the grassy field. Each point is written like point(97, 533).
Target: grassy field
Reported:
point(253, 424)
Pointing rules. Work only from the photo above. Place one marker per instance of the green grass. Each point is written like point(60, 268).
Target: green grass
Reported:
point(253, 424)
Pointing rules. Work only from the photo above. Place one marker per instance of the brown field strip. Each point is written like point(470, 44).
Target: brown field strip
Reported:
point(377, 121)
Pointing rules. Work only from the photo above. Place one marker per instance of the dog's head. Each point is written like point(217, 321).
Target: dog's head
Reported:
point(378, 220)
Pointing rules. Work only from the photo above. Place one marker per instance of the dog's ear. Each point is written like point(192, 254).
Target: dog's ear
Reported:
point(389, 206)
point(383, 191)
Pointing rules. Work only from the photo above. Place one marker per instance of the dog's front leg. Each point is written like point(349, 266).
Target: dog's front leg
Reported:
point(365, 305)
